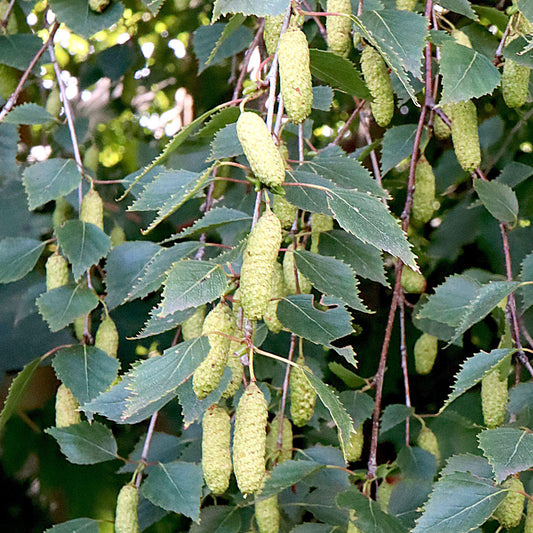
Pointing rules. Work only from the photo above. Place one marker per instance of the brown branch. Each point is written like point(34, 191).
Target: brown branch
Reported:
point(7, 12)
point(403, 353)
point(13, 98)
point(344, 129)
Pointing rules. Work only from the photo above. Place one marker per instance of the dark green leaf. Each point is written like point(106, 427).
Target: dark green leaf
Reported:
point(85, 370)
point(18, 50)
point(29, 113)
point(156, 324)
point(363, 258)
point(18, 256)
point(59, 307)
point(218, 519)
point(371, 222)
point(468, 463)
point(287, 474)
point(459, 502)
point(309, 198)
point(473, 370)
point(84, 443)
point(417, 464)
point(351, 379)
point(338, 72)
point(369, 517)
point(191, 284)
point(343, 285)
point(516, 51)
point(459, 6)
point(225, 144)
point(124, 265)
point(298, 314)
point(395, 414)
point(176, 487)
point(322, 97)
point(526, 8)
point(509, 450)
point(359, 405)
point(514, 173)
point(82, 20)
point(520, 397)
point(215, 218)
point(466, 74)
point(526, 274)
point(84, 244)
point(398, 144)
point(18, 387)
point(224, 117)
point(50, 179)
point(249, 7)
point(499, 200)
point(78, 525)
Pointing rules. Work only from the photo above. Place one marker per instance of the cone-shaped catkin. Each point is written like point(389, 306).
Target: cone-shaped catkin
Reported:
point(126, 512)
point(258, 265)
point(265, 160)
point(267, 512)
point(66, 408)
point(62, 212)
point(493, 398)
point(249, 439)
point(383, 494)
point(303, 395)
point(339, 28)
point(424, 194)
point(56, 272)
point(509, 511)
point(378, 82)
point(515, 83)
point(271, 32)
point(216, 458)
point(117, 235)
point(405, 5)
point(465, 135)
point(528, 526)
point(207, 376)
point(284, 210)
point(106, 338)
point(319, 224)
point(425, 351)
point(79, 327)
point(92, 209)
point(413, 282)
point(290, 272)
point(440, 128)
point(295, 74)
point(278, 290)
point(53, 102)
point(192, 327)
point(234, 364)
point(284, 453)
point(355, 447)
point(428, 441)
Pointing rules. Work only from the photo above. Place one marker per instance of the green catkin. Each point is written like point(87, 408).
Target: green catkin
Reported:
point(216, 458)
point(284, 210)
point(379, 84)
point(106, 338)
point(217, 324)
point(528, 526)
point(278, 290)
point(406, 5)
point(117, 235)
point(53, 102)
point(465, 135)
point(290, 272)
point(284, 453)
point(249, 439)
point(62, 212)
point(66, 408)
point(440, 128)
point(428, 441)
point(339, 28)
point(303, 395)
point(265, 159)
point(383, 494)
point(295, 74)
point(271, 32)
point(126, 520)
point(56, 272)
point(413, 282)
point(424, 194)
point(493, 398)
point(91, 158)
point(355, 446)
point(425, 352)
point(258, 263)
point(267, 512)
point(319, 224)
point(235, 365)
point(515, 83)
point(92, 209)
point(192, 327)
point(509, 511)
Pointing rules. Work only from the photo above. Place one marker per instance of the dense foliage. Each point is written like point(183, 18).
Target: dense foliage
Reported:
point(266, 265)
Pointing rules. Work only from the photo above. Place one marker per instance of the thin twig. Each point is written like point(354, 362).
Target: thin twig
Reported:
point(285, 391)
point(364, 125)
point(499, 51)
point(403, 353)
point(146, 446)
point(319, 24)
point(344, 129)
point(7, 12)
point(13, 98)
